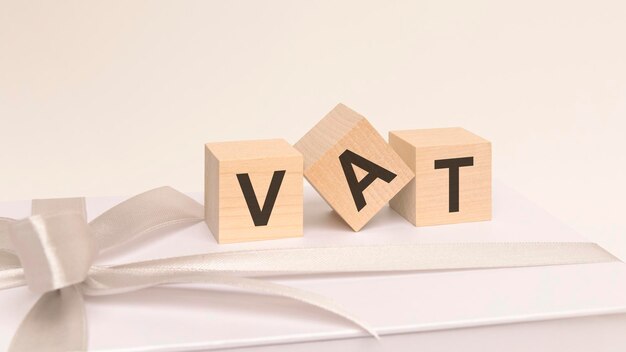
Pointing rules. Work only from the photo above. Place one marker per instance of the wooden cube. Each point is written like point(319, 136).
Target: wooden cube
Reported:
point(351, 165)
point(452, 182)
point(253, 190)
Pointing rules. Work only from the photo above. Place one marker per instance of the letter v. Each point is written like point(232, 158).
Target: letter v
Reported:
point(261, 217)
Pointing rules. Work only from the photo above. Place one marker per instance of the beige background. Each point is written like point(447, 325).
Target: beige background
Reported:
point(115, 97)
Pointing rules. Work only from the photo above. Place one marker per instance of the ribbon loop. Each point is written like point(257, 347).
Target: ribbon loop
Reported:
point(55, 250)
point(144, 213)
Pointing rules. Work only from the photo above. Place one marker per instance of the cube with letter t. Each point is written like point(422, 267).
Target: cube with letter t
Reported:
point(452, 176)
point(351, 165)
point(253, 190)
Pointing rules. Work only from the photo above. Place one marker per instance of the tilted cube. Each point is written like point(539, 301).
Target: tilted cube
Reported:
point(253, 190)
point(452, 182)
point(352, 166)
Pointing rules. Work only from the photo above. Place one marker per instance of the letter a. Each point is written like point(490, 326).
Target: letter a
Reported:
point(349, 158)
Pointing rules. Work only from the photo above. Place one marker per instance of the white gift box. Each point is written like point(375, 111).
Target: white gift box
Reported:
point(418, 310)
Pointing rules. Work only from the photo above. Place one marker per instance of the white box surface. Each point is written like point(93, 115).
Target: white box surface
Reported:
point(191, 318)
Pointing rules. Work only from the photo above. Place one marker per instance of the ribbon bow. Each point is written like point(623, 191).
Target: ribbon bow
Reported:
point(52, 252)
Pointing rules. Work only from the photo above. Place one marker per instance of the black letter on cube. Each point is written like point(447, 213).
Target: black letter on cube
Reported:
point(453, 182)
point(261, 217)
point(347, 159)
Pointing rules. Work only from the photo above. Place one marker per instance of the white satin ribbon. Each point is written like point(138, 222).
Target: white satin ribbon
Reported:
point(56, 248)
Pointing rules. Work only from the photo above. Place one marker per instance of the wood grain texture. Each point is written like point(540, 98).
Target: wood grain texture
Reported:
point(425, 200)
point(227, 213)
point(340, 130)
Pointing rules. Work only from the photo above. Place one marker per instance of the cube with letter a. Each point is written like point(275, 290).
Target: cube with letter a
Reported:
point(253, 190)
point(352, 167)
point(452, 182)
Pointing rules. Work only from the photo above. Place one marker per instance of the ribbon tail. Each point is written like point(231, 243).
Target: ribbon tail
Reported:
point(56, 323)
point(307, 297)
point(112, 281)
point(385, 258)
